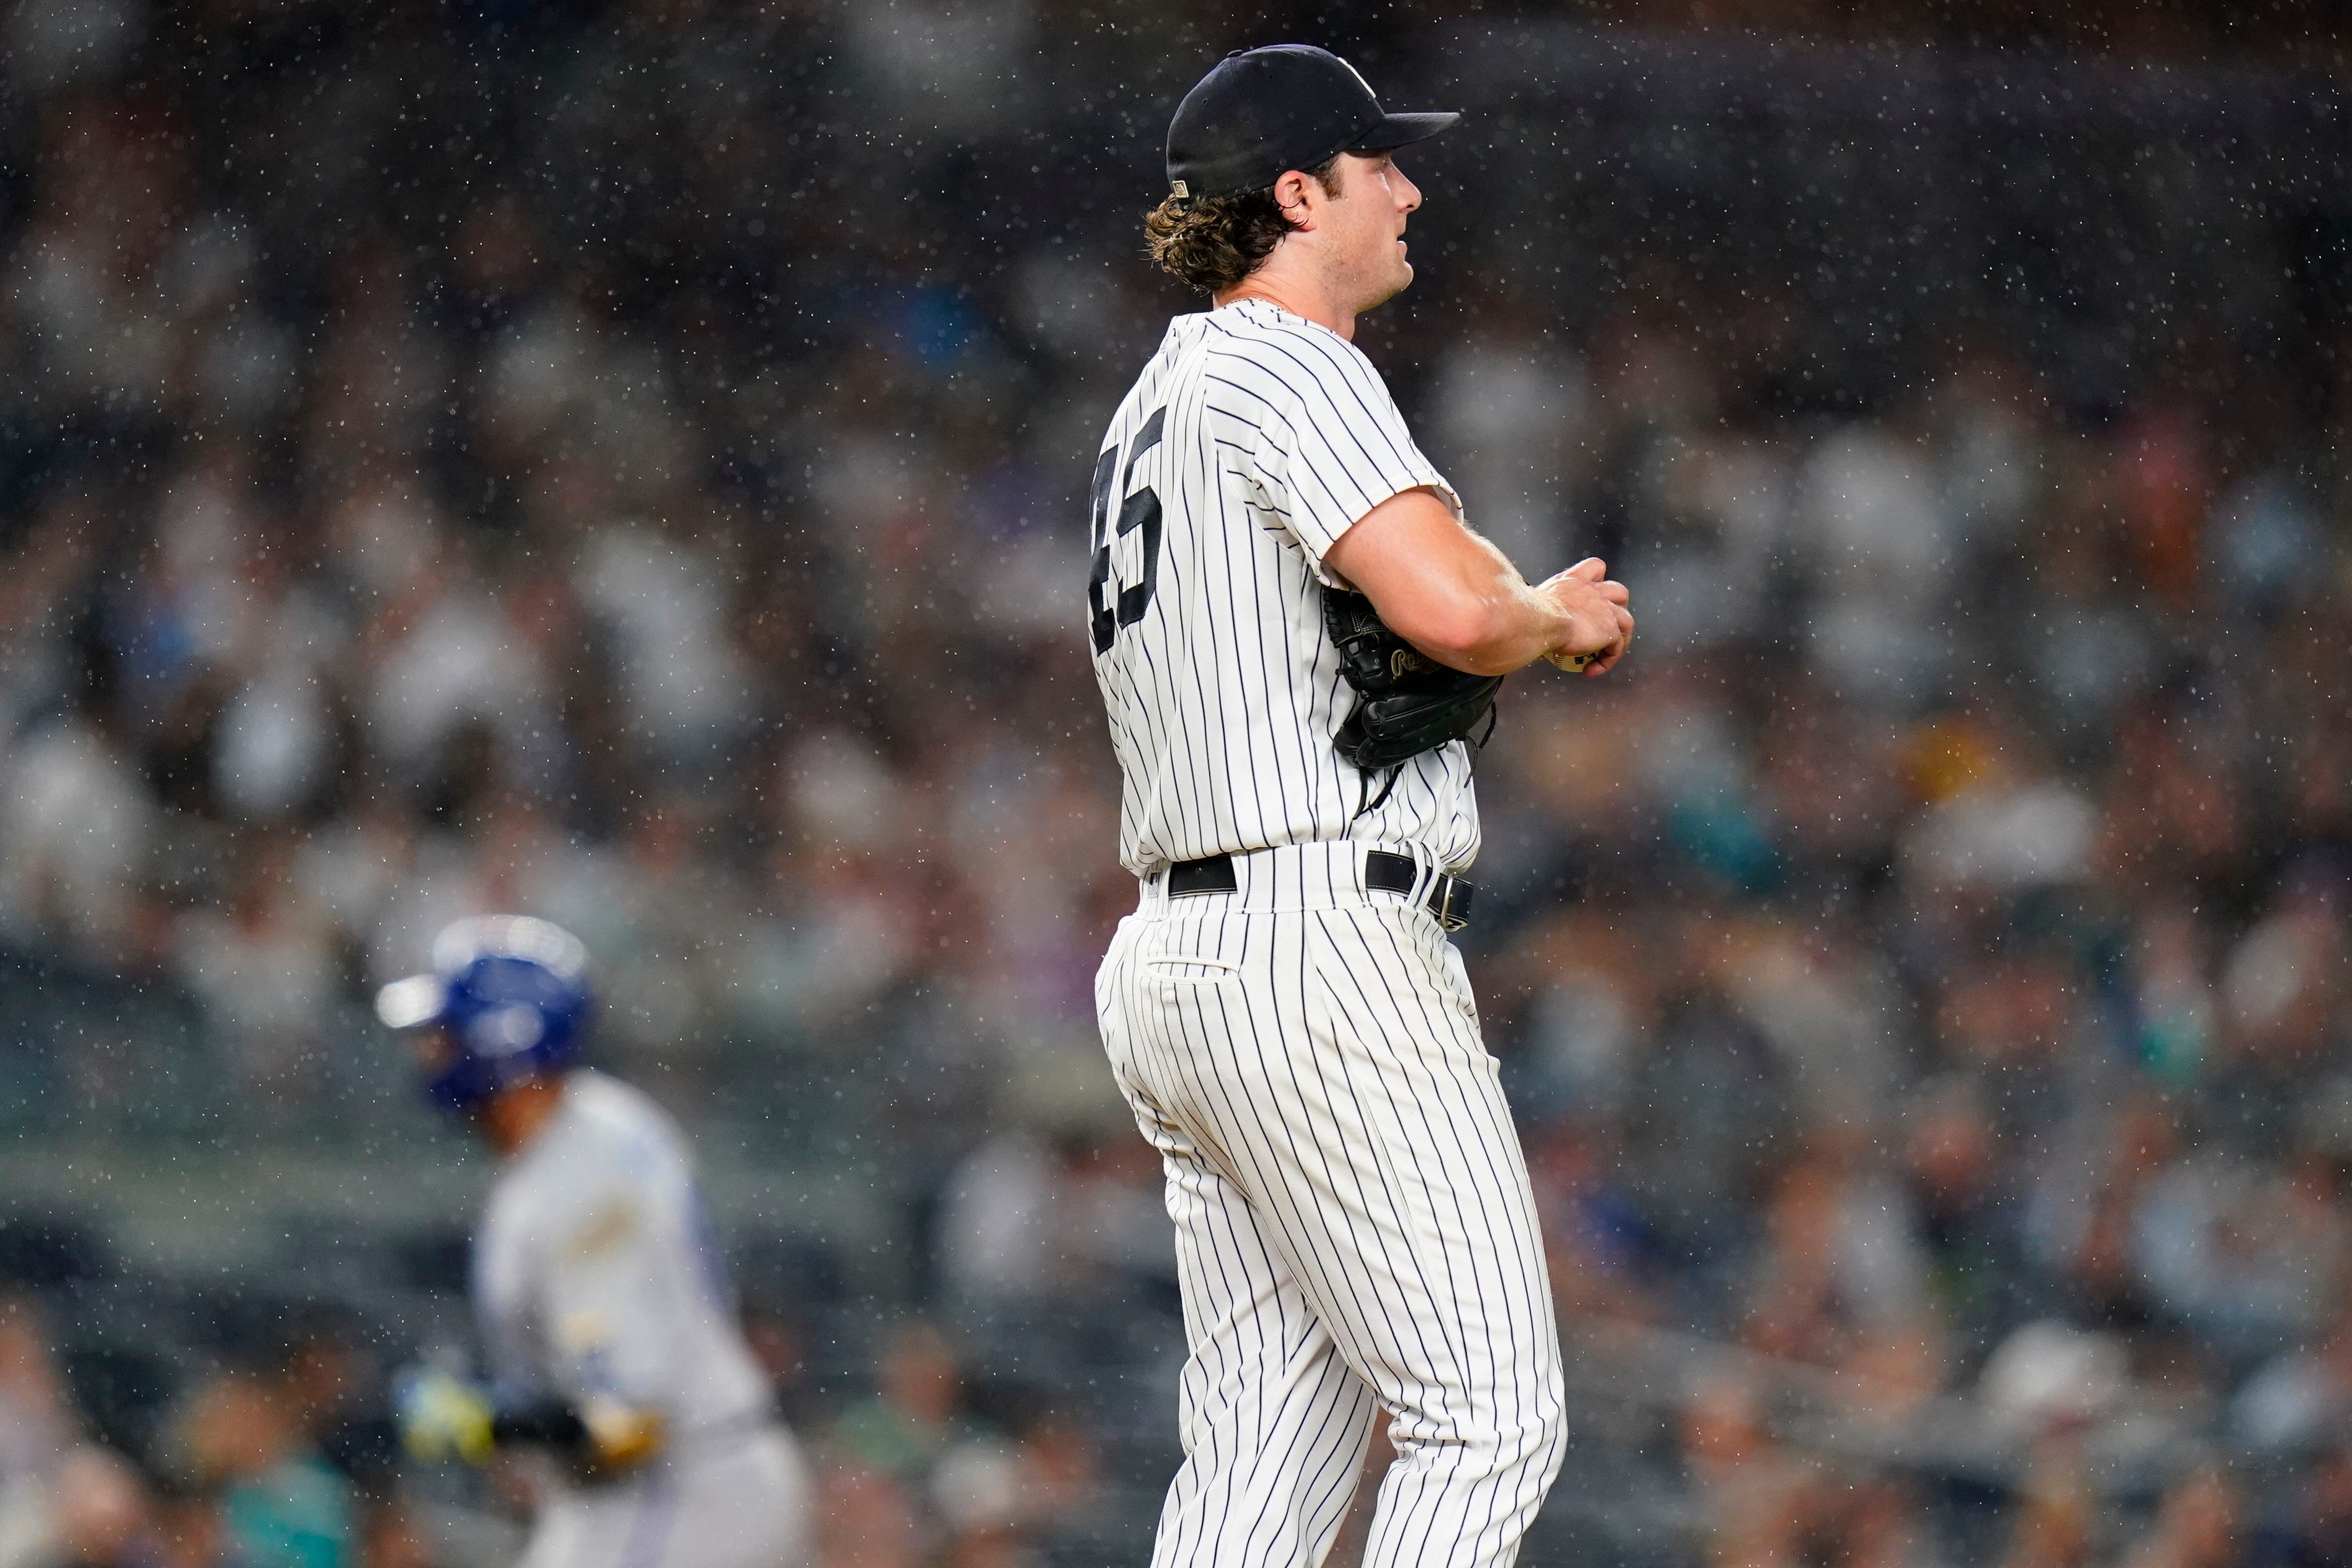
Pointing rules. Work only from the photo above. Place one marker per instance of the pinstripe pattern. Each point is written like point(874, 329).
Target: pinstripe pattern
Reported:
point(1354, 1223)
point(1259, 438)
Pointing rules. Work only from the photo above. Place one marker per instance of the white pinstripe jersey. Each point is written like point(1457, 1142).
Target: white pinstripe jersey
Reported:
point(1253, 440)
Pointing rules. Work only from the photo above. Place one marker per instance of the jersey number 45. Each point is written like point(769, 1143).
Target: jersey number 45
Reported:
point(1139, 510)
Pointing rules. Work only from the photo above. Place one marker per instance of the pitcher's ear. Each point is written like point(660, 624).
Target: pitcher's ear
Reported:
point(1290, 196)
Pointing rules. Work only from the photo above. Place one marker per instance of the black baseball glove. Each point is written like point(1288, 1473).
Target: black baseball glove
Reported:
point(1406, 703)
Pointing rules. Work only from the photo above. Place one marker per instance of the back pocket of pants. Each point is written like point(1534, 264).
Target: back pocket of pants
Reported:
point(1203, 954)
point(1181, 970)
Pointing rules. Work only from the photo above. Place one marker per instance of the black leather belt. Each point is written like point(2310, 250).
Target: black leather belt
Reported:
point(1449, 897)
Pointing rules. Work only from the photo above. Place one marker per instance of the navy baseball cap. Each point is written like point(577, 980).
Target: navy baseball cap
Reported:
point(1288, 106)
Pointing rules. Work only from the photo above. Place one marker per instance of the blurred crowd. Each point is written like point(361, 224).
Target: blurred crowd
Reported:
point(267, 1461)
point(277, 1454)
point(631, 480)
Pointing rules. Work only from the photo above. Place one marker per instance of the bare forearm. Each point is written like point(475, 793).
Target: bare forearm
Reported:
point(1459, 600)
point(1490, 622)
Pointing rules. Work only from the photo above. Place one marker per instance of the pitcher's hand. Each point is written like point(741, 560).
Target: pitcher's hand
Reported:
point(1600, 628)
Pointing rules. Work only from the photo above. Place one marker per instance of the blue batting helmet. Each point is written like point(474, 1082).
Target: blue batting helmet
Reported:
point(509, 994)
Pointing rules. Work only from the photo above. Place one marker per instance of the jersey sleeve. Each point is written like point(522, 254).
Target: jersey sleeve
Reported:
point(505, 1308)
point(1334, 444)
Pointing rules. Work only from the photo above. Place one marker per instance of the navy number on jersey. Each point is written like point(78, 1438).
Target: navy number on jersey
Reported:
point(1138, 510)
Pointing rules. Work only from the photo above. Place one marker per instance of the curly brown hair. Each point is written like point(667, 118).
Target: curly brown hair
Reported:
point(1215, 242)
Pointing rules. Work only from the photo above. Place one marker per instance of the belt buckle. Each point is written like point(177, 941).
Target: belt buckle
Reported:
point(1446, 919)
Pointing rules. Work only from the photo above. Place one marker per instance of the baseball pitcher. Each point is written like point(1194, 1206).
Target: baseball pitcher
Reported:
point(1300, 642)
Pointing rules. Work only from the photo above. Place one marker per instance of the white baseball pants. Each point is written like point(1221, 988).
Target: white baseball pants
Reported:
point(1353, 1220)
point(744, 1502)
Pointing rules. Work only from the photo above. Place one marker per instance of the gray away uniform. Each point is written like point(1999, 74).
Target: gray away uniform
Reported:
point(596, 1274)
